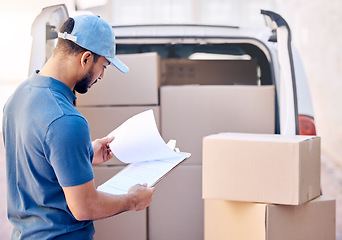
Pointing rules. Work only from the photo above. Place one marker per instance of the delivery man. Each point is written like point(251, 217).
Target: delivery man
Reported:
point(49, 153)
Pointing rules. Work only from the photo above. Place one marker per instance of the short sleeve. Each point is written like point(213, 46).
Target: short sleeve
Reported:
point(69, 150)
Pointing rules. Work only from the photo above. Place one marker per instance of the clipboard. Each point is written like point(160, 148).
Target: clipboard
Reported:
point(139, 173)
point(161, 178)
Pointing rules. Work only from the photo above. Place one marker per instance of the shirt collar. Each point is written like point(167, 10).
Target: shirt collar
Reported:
point(48, 82)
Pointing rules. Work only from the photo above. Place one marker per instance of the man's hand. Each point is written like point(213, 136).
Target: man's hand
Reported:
point(102, 152)
point(141, 195)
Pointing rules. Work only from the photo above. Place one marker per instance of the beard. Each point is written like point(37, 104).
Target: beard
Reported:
point(83, 85)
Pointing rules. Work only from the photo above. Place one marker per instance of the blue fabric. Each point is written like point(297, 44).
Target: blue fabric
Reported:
point(48, 145)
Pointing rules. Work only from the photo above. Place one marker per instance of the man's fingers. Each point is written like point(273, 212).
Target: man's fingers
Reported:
point(106, 140)
point(110, 139)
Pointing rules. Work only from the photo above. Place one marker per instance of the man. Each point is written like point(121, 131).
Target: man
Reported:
point(51, 193)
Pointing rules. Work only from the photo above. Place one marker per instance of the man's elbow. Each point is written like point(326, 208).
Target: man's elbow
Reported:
point(82, 215)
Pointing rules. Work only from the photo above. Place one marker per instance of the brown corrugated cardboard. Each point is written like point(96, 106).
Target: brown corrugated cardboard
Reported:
point(188, 113)
point(314, 220)
point(103, 120)
point(137, 87)
point(261, 168)
point(119, 226)
point(209, 72)
point(177, 211)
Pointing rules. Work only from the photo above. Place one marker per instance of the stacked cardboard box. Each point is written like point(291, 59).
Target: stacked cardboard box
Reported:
point(190, 99)
point(109, 103)
point(243, 220)
point(119, 96)
point(264, 186)
point(137, 87)
point(197, 98)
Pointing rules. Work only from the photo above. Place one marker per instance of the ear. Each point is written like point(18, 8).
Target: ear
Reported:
point(86, 58)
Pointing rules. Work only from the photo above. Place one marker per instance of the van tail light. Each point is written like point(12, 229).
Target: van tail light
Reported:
point(306, 125)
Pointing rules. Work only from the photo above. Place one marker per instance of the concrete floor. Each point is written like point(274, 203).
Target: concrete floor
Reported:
point(331, 180)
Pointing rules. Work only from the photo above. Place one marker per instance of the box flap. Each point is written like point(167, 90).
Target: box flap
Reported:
point(262, 137)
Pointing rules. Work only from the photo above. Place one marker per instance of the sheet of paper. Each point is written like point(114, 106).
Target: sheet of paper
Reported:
point(149, 172)
point(138, 139)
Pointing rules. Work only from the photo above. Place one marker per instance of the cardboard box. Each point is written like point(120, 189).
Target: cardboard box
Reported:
point(119, 226)
point(177, 208)
point(261, 168)
point(188, 113)
point(137, 87)
point(103, 120)
point(209, 72)
point(314, 220)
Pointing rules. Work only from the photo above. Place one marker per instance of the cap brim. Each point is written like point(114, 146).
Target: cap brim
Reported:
point(118, 64)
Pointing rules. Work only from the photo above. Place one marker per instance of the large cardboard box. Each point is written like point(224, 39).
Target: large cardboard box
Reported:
point(209, 72)
point(103, 120)
point(188, 113)
point(177, 208)
point(265, 168)
point(119, 226)
point(137, 87)
point(314, 220)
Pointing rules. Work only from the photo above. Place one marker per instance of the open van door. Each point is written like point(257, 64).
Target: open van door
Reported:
point(44, 34)
point(287, 92)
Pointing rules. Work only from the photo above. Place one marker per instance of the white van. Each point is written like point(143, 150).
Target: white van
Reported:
point(199, 80)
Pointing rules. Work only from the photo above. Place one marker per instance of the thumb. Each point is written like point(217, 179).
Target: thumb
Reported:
point(105, 140)
point(110, 138)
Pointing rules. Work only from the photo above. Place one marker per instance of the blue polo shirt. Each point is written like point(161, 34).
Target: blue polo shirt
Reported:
point(48, 145)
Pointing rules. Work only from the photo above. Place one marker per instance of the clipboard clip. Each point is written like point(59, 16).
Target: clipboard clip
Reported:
point(172, 145)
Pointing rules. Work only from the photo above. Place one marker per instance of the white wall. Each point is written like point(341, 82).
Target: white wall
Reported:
point(223, 12)
point(16, 18)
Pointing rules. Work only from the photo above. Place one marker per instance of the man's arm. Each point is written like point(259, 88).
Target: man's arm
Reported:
point(87, 203)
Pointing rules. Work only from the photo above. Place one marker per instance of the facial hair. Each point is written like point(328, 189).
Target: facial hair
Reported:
point(83, 85)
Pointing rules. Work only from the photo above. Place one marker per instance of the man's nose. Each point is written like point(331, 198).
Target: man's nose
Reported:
point(101, 75)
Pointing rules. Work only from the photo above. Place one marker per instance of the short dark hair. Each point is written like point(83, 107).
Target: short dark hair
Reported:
point(67, 46)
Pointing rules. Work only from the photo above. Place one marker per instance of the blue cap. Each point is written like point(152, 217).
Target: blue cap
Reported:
point(96, 35)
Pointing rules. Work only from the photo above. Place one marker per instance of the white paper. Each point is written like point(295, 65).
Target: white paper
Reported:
point(138, 142)
point(138, 139)
point(149, 172)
